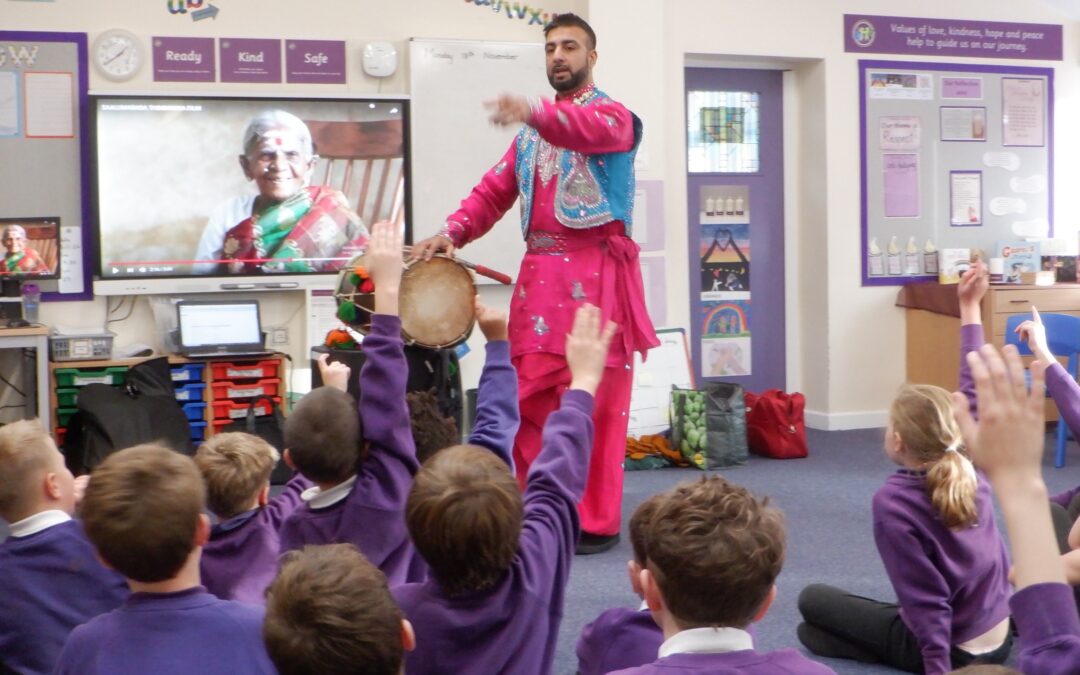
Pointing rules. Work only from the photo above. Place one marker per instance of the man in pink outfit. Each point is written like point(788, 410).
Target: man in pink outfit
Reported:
point(572, 164)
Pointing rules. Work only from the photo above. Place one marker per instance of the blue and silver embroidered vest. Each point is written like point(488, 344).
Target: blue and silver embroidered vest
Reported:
point(592, 190)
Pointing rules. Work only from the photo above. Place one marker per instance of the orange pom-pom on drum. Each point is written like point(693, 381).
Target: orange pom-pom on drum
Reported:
point(436, 301)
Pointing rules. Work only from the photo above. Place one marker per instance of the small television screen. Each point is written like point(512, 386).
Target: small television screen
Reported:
point(31, 248)
point(197, 193)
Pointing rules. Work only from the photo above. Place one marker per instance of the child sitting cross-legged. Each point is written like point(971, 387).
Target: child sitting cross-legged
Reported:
point(50, 579)
point(499, 561)
point(241, 557)
point(622, 637)
point(714, 552)
point(329, 611)
point(143, 511)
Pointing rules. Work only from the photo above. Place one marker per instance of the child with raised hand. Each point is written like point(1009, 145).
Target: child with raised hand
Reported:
point(362, 466)
point(1007, 442)
point(329, 611)
point(1066, 394)
point(50, 578)
point(143, 511)
point(499, 561)
point(714, 552)
point(935, 530)
point(241, 558)
point(497, 416)
point(622, 637)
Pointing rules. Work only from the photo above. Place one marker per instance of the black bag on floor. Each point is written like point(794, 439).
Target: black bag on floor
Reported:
point(270, 428)
point(143, 410)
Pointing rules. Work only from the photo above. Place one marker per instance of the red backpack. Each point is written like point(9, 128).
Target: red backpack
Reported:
point(774, 424)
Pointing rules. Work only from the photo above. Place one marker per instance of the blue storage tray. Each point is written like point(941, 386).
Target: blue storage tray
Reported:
point(194, 411)
point(193, 391)
point(198, 431)
point(188, 372)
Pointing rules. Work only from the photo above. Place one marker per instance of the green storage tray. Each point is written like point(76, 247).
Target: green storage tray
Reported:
point(80, 377)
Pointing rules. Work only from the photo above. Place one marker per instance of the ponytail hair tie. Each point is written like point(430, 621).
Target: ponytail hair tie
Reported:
point(954, 446)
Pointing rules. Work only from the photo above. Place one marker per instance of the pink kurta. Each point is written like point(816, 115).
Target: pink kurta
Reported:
point(564, 267)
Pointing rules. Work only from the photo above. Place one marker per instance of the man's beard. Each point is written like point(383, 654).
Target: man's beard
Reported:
point(576, 79)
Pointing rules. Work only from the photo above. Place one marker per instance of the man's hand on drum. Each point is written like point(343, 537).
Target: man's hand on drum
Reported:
point(385, 265)
point(587, 348)
point(492, 322)
point(335, 374)
point(426, 248)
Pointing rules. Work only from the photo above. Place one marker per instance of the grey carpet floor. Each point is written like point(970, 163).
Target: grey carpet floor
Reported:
point(826, 500)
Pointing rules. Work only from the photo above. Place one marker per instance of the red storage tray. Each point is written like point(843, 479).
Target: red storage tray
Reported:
point(225, 411)
point(239, 370)
point(233, 390)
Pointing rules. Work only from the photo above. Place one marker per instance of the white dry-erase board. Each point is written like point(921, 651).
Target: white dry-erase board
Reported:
point(453, 144)
point(667, 367)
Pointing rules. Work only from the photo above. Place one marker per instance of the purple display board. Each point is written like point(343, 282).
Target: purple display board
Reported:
point(919, 36)
point(969, 175)
point(315, 61)
point(250, 60)
point(75, 150)
point(183, 59)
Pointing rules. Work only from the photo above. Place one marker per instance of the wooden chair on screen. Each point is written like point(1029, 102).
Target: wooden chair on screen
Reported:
point(365, 160)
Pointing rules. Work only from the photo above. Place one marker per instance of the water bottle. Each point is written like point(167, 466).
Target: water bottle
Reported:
point(31, 301)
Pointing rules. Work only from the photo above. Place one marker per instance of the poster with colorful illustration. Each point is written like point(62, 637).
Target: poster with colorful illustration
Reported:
point(724, 253)
point(725, 318)
point(725, 357)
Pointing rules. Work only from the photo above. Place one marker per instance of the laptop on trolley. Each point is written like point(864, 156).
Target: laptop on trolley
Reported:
point(210, 328)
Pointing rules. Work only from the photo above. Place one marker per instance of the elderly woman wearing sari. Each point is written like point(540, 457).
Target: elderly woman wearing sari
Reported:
point(18, 257)
point(289, 226)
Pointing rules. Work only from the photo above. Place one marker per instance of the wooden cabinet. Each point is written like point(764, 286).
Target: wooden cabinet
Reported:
point(933, 333)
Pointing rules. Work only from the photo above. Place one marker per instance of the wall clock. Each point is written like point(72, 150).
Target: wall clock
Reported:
point(117, 54)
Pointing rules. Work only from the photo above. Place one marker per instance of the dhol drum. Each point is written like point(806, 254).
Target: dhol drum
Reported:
point(436, 301)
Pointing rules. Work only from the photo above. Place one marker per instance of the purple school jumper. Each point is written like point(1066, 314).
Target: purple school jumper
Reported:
point(1049, 629)
point(512, 627)
point(372, 516)
point(241, 558)
point(1066, 394)
point(744, 662)
point(497, 414)
point(952, 586)
point(618, 638)
point(50, 582)
point(186, 632)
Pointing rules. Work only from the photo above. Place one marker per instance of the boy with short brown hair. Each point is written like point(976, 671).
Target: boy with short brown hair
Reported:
point(329, 610)
point(714, 554)
point(241, 558)
point(143, 513)
point(50, 579)
point(362, 466)
point(622, 637)
point(499, 561)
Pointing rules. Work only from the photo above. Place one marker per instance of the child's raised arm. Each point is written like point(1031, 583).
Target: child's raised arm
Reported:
point(587, 348)
point(385, 263)
point(973, 286)
point(334, 374)
point(1007, 443)
point(497, 414)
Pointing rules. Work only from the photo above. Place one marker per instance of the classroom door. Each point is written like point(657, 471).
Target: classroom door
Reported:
point(735, 203)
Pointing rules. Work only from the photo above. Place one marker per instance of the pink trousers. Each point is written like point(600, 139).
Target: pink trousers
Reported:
point(542, 379)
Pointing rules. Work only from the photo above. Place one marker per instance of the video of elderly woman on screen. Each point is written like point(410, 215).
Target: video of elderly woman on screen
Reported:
point(228, 186)
point(31, 247)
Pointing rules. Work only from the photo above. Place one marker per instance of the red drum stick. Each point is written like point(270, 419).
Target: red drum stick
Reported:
point(479, 269)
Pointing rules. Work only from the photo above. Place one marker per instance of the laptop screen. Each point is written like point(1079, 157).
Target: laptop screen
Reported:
point(219, 326)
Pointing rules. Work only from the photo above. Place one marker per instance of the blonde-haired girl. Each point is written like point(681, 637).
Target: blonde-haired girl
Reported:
point(935, 530)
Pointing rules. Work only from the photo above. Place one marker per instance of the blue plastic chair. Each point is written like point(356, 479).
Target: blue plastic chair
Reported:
point(1063, 338)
